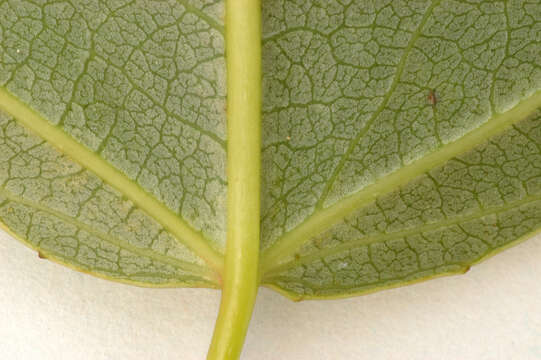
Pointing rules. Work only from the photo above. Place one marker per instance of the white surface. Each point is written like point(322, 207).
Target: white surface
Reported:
point(50, 312)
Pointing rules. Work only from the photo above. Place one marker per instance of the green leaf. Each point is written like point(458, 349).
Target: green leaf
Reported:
point(140, 195)
point(401, 140)
point(371, 183)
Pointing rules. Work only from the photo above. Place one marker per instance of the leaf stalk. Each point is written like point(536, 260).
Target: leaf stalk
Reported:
point(240, 278)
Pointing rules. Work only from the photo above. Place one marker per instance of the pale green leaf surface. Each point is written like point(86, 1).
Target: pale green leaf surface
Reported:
point(351, 138)
point(439, 223)
point(71, 215)
point(366, 184)
point(141, 85)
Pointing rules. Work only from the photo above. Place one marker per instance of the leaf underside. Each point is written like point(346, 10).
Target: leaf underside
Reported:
point(401, 139)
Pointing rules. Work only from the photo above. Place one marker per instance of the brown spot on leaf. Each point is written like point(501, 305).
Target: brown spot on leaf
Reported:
point(432, 99)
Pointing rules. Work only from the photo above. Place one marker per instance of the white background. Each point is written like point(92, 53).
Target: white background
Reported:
point(50, 312)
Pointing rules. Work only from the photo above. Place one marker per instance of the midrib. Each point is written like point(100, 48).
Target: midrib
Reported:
point(323, 219)
point(110, 175)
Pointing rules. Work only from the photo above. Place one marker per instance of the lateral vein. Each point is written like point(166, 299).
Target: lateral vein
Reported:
point(56, 137)
point(194, 268)
point(324, 218)
point(379, 110)
point(405, 232)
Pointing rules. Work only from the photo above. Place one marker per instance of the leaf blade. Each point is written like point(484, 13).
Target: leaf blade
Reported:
point(411, 249)
point(74, 218)
point(53, 135)
point(134, 92)
point(359, 94)
point(325, 217)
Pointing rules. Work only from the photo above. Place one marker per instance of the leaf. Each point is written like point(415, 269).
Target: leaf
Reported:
point(370, 183)
point(401, 140)
point(135, 189)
